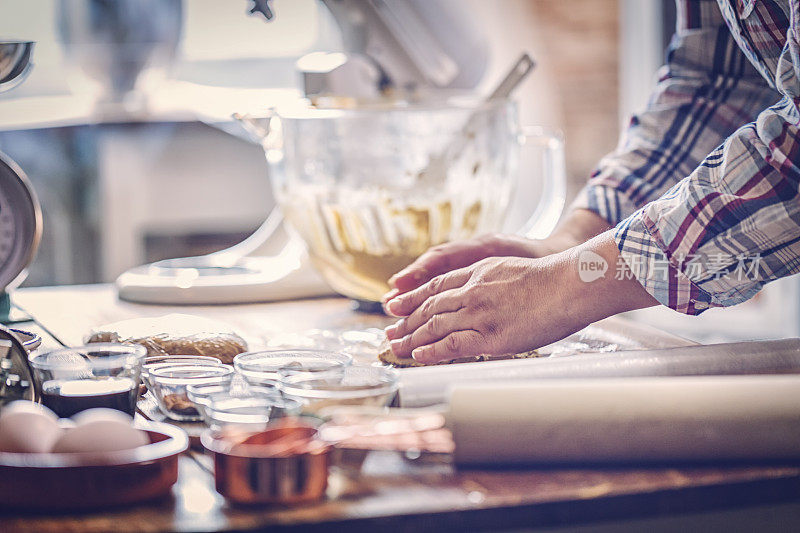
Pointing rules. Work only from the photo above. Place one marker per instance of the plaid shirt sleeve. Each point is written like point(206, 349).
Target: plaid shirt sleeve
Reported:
point(708, 225)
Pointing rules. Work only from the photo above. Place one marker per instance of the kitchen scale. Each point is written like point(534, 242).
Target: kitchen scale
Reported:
point(20, 233)
point(20, 213)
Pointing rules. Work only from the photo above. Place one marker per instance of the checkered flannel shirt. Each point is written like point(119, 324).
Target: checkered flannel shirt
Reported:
point(703, 187)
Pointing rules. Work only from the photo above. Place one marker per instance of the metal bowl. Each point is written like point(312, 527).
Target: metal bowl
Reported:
point(29, 340)
point(93, 480)
point(15, 63)
point(284, 464)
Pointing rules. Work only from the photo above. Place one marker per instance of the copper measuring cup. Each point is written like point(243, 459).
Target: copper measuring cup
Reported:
point(286, 463)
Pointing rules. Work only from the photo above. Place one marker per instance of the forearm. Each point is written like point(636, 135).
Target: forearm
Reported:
point(598, 282)
point(577, 227)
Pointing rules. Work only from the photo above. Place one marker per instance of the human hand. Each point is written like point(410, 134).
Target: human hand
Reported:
point(458, 254)
point(579, 226)
point(504, 305)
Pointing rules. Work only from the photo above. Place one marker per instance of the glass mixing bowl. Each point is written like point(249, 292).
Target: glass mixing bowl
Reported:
point(168, 385)
point(265, 368)
point(357, 385)
point(370, 189)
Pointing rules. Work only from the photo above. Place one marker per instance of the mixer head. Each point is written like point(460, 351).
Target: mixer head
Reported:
point(16, 376)
point(394, 49)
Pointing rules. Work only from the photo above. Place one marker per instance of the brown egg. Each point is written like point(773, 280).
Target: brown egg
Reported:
point(100, 435)
point(28, 427)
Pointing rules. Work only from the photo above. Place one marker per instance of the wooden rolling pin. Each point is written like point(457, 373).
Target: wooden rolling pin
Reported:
point(426, 386)
point(697, 418)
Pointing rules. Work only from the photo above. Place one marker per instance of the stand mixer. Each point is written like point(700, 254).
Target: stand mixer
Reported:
point(398, 55)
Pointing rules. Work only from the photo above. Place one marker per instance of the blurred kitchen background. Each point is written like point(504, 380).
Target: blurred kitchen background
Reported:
point(129, 170)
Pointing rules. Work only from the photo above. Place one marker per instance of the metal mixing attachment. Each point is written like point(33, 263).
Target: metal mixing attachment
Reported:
point(16, 376)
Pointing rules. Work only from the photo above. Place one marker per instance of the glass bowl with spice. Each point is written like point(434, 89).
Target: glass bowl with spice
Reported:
point(169, 383)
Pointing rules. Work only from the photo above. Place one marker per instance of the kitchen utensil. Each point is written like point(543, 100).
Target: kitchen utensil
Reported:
point(156, 361)
point(370, 189)
point(283, 464)
point(20, 213)
point(264, 368)
point(230, 404)
point(29, 340)
point(425, 386)
point(396, 48)
point(96, 375)
point(347, 180)
point(436, 170)
point(16, 375)
point(357, 385)
point(93, 480)
point(20, 229)
point(202, 395)
point(15, 63)
point(363, 204)
point(252, 411)
point(597, 421)
point(628, 420)
point(168, 384)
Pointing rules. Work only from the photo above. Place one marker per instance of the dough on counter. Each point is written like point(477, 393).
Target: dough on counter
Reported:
point(386, 355)
point(175, 334)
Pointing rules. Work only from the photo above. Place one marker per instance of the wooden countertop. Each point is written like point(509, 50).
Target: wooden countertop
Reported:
point(392, 491)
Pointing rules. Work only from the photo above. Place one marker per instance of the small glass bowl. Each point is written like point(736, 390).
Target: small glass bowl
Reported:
point(252, 412)
point(168, 384)
point(96, 375)
point(155, 361)
point(356, 385)
point(264, 368)
point(202, 395)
